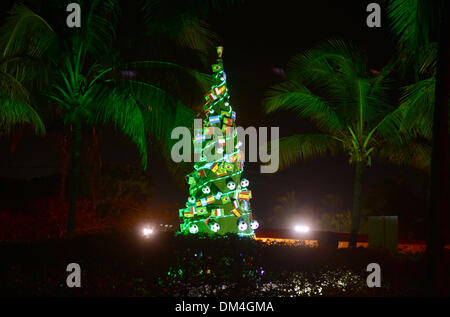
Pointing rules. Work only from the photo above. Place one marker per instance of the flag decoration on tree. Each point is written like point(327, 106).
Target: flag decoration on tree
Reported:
point(219, 199)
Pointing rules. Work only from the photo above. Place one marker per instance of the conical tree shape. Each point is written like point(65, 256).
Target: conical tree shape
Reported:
point(219, 201)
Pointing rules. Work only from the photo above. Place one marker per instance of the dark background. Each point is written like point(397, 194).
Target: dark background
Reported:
point(257, 36)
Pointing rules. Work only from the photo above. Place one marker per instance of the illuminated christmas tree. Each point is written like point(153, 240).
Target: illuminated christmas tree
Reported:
point(219, 201)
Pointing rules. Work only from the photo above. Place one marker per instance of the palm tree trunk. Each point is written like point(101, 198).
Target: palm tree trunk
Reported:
point(439, 173)
point(63, 147)
point(62, 184)
point(74, 177)
point(356, 203)
point(96, 163)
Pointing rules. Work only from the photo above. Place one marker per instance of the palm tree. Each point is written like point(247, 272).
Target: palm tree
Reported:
point(92, 87)
point(417, 23)
point(22, 69)
point(332, 86)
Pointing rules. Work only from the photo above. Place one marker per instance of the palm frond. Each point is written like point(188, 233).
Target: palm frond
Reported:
point(139, 110)
point(291, 95)
point(12, 88)
point(187, 84)
point(417, 105)
point(413, 24)
point(98, 28)
point(302, 147)
point(14, 113)
point(333, 57)
point(414, 152)
point(388, 128)
point(24, 32)
point(121, 109)
point(429, 62)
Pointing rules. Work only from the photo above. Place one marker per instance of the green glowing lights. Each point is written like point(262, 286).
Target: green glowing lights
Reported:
point(219, 201)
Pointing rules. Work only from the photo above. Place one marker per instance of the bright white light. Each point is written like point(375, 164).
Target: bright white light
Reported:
point(301, 228)
point(146, 231)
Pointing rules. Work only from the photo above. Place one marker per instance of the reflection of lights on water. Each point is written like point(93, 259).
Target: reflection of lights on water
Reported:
point(301, 228)
point(300, 284)
point(322, 283)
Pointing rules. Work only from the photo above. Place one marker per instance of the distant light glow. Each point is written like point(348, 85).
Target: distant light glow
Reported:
point(301, 228)
point(147, 231)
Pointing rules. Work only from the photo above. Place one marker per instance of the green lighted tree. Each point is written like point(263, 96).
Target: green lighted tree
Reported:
point(332, 86)
point(219, 198)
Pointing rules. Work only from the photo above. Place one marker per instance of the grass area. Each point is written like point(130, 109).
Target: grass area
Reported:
point(164, 265)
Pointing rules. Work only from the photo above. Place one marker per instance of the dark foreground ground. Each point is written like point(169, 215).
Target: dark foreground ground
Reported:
point(163, 265)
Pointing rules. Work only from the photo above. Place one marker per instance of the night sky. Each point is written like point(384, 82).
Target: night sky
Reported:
point(257, 36)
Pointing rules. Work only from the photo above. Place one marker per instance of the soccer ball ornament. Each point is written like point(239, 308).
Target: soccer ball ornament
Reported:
point(214, 227)
point(254, 224)
point(191, 200)
point(206, 190)
point(244, 183)
point(242, 226)
point(193, 229)
point(231, 185)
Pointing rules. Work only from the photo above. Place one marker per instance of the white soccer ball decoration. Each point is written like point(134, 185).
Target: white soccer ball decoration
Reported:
point(215, 227)
point(242, 226)
point(231, 185)
point(191, 199)
point(254, 224)
point(206, 190)
point(193, 229)
point(244, 183)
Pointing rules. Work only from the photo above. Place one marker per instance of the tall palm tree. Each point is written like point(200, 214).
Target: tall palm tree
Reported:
point(93, 87)
point(332, 86)
point(415, 24)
